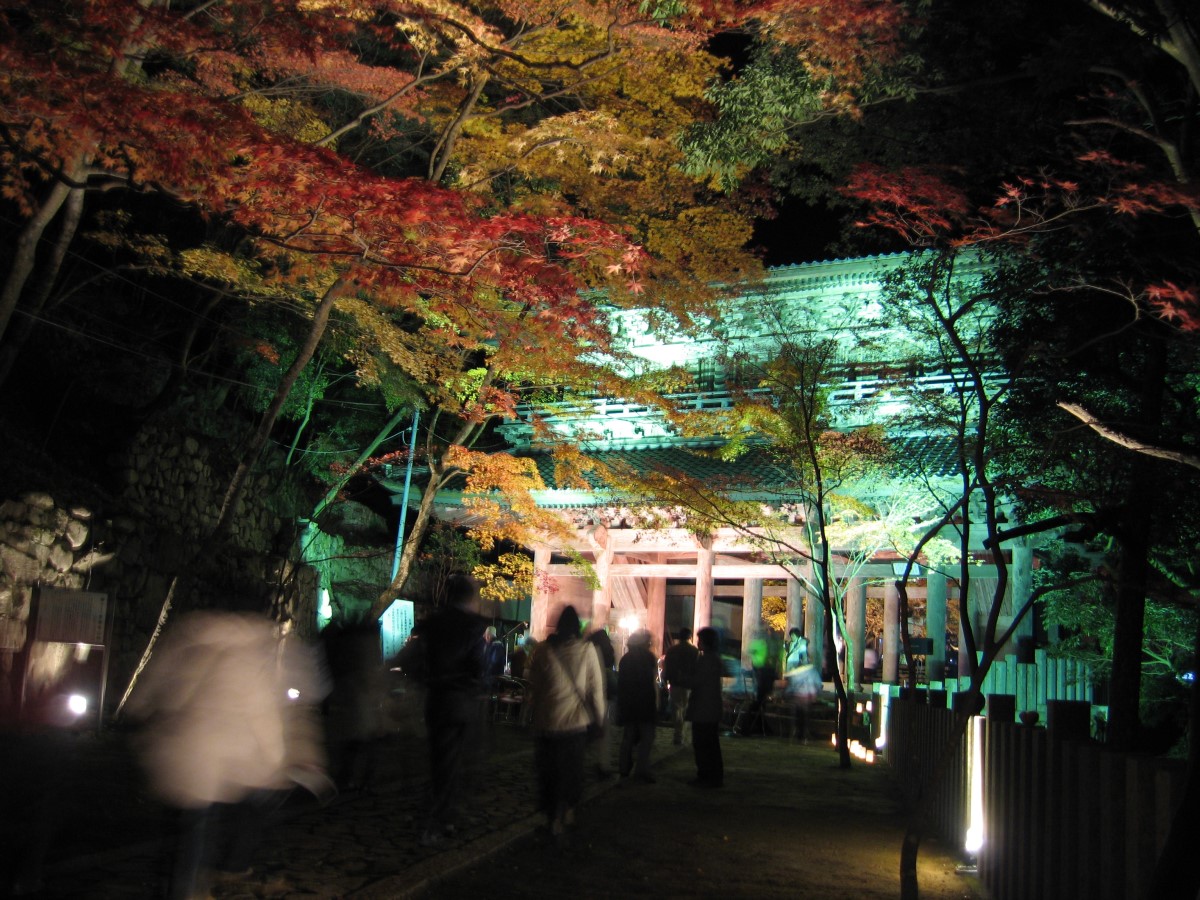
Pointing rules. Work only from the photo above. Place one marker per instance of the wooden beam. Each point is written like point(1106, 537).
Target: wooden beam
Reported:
point(738, 570)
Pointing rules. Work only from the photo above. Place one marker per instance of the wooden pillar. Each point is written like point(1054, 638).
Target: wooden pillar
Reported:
point(656, 610)
point(752, 594)
point(602, 595)
point(856, 625)
point(795, 599)
point(702, 613)
point(891, 633)
point(539, 607)
point(935, 625)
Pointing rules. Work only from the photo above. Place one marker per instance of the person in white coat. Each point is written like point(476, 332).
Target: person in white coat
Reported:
point(229, 709)
point(566, 694)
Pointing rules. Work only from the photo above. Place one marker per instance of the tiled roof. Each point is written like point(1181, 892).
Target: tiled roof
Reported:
point(929, 455)
point(755, 469)
point(755, 472)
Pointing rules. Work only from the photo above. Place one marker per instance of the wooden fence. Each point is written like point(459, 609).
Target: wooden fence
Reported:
point(1060, 816)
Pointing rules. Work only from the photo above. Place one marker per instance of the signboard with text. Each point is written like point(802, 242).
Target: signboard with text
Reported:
point(395, 625)
point(71, 617)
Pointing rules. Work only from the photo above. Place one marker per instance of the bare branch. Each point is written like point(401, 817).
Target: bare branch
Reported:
point(1127, 441)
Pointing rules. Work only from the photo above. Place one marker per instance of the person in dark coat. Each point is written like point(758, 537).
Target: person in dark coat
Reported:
point(679, 668)
point(705, 709)
point(355, 708)
point(454, 683)
point(601, 746)
point(637, 706)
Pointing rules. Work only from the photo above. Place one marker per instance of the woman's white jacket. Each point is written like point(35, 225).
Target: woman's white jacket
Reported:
point(566, 687)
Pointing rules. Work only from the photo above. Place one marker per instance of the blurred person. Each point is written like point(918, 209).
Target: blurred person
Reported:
point(679, 669)
point(356, 706)
point(795, 651)
point(803, 687)
point(453, 661)
point(519, 663)
point(870, 660)
point(637, 706)
point(566, 694)
point(493, 656)
point(764, 666)
point(518, 660)
point(705, 708)
point(229, 705)
point(803, 681)
point(601, 746)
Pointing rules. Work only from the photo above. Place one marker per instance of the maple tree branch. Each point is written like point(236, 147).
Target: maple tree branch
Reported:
point(1175, 156)
point(1128, 441)
point(1179, 42)
point(1167, 146)
point(534, 97)
point(1126, 293)
point(1135, 88)
point(511, 167)
point(304, 353)
point(524, 60)
point(199, 8)
point(418, 81)
point(1039, 527)
point(439, 159)
point(56, 172)
point(357, 253)
point(1120, 15)
point(444, 148)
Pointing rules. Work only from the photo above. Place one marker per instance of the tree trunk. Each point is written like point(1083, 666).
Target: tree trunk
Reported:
point(829, 656)
point(250, 455)
point(1176, 877)
point(1125, 686)
point(19, 332)
point(163, 612)
point(25, 253)
point(409, 556)
point(1135, 537)
point(844, 709)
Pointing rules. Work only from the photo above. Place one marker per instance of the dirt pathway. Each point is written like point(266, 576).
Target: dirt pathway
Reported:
point(788, 824)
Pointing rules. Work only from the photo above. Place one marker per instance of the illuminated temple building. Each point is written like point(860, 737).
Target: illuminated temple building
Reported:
point(663, 576)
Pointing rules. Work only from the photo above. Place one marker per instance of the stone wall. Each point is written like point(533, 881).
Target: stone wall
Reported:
point(131, 547)
point(178, 482)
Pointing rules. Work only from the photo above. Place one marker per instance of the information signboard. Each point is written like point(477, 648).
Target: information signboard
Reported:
point(71, 617)
point(396, 624)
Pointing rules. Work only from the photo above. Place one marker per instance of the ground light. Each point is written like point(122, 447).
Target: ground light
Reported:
point(860, 751)
point(885, 700)
point(975, 833)
point(324, 609)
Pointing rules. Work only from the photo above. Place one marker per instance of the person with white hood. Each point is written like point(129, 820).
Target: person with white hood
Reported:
point(566, 692)
point(229, 704)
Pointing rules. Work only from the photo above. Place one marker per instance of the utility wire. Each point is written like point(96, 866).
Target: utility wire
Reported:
point(133, 351)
